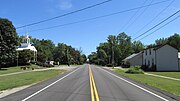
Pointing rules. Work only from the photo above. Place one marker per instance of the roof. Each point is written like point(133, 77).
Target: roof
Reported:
point(159, 46)
point(32, 48)
point(131, 56)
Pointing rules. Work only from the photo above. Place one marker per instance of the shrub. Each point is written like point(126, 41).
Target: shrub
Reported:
point(109, 65)
point(135, 70)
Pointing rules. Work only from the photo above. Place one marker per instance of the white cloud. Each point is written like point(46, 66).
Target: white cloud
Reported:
point(65, 4)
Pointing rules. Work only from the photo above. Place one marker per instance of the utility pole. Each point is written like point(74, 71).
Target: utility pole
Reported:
point(67, 52)
point(112, 55)
point(17, 58)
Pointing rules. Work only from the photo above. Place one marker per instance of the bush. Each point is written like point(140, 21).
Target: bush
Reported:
point(109, 65)
point(135, 70)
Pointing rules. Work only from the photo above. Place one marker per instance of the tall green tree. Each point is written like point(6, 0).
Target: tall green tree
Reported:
point(8, 43)
point(123, 48)
point(25, 57)
point(174, 41)
point(45, 49)
point(137, 46)
point(93, 59)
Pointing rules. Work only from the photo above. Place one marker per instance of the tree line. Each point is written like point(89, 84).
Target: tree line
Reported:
point(114, 50)
point(117, 48)
point(47, 50)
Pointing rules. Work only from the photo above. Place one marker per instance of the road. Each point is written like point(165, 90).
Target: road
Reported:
point(87, 83)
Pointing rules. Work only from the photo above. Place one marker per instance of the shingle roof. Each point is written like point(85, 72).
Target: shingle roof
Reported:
point(131, 56)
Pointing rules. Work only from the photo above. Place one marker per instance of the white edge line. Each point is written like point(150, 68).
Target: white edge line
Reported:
point(137, 86)
point(48, 86)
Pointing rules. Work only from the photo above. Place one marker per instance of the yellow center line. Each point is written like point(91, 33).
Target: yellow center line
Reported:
point(91, 86)
point(92, 83)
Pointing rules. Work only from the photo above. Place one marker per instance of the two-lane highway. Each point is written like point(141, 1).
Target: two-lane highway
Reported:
point(87, 83)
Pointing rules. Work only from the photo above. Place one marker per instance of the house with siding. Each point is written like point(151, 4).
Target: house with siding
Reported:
point(179, 59)
point(161, 58)
point(133, 60)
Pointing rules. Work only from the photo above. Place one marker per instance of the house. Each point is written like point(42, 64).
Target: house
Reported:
point(179, 59)
point(133, 60)
point(161, 58)
point(25, 45)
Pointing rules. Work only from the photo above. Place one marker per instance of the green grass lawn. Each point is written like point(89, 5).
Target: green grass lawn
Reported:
point(16, 69)
point(8, 82)
point(170, 86)
point(169, 74)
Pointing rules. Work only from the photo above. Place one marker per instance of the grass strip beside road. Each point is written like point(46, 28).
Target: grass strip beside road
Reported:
point(16, 69)
point(170, 86)
point(168, 74)
point(12, 81)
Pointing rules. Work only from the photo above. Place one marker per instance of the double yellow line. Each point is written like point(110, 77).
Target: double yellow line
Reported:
point(94, 93)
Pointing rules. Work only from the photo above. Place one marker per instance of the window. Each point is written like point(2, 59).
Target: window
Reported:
point(152, 62)
point(146, 52)
point(145, 62)
point(150, 51)
point(148, 63)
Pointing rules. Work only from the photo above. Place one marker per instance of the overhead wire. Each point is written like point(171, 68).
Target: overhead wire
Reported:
point(155, 17)
point(42, 21)
point(127, 23)
point(137, 17)
point(98, 17)
point(157, 24)
point(160, 27)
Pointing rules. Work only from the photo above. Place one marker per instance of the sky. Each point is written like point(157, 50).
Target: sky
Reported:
point(87, 35)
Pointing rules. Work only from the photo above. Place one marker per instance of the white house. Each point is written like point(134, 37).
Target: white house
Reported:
point(134, 59)
point(25, 45)
point(179, 59)
point(162, 58)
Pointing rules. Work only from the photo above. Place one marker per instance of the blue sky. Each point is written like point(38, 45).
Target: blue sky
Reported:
point(88, 35)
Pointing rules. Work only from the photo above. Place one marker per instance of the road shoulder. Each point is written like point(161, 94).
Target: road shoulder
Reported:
point(145, 86)
point(33, 87)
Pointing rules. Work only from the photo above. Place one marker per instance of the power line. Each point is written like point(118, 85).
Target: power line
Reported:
point(92, 6)
point(132, 17)
point(157, 24)
point(94, 18)
point(137, 17)
point(155, 17)
point(160, 27)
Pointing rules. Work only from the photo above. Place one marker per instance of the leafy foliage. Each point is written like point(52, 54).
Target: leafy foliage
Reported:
point(8, 43)
point(173, 40)
point(135, 70)
point(115, 50)
point(61, 53)
point(25, 56)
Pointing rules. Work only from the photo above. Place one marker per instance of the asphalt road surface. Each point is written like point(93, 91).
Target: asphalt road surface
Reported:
point(87, 83)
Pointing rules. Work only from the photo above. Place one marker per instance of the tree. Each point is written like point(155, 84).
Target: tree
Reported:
point(123, 48)
point(102, 57)
point(93, 58)
point(45, 49)
point(68, 55)
point(25, 57)
point(161, 41)
point(113, 42)
point(113, 51)
point(174, 41)
point(8, 43)
point(137, 46)
point(83, 59)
